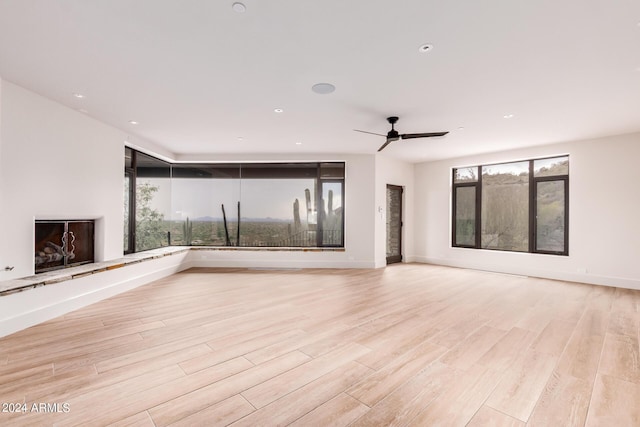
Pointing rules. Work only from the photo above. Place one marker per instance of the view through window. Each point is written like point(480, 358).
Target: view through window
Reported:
point(247, 205)
point(518, 206)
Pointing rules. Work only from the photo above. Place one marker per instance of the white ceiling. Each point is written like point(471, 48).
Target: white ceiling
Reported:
point(197, 76)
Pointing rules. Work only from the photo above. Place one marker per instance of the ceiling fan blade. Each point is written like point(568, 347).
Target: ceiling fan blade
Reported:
point(389, 141)
point(372, 133)
point(422, 135)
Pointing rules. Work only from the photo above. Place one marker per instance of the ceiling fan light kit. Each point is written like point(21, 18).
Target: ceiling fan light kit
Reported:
point(393, 134)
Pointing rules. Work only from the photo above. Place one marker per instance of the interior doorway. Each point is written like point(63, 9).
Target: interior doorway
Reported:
point(394, 224)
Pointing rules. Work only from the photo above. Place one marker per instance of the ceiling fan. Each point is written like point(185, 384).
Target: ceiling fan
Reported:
point(393, 134)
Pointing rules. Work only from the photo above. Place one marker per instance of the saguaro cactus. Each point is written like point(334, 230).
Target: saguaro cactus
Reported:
point(187, 232)
point(238, 229)
point(226, 228)
point(296, 216)
point(307, 196)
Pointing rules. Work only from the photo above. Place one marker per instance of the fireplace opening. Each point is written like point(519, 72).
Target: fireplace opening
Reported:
point(63, 243)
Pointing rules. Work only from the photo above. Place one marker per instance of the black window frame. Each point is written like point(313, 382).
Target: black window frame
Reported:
point(322, 172)
point(478, 206)
point(153, 167)
point(532, 223)
point(533, 215)
point(320, 236)
point(130, 173)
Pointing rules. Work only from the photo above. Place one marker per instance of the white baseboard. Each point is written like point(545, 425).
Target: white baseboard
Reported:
point(619, 282)
point(212, 263)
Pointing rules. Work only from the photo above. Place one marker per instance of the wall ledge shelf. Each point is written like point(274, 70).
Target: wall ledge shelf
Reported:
point(22, 284)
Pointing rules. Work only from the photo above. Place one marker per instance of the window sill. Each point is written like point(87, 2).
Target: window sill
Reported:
point(266, 249)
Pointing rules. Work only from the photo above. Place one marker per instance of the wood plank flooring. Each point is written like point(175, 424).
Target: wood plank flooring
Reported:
point(411, 344)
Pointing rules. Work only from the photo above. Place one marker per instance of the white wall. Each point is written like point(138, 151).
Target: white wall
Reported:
point(56, 163)
point(604, 207)
point(394, 172)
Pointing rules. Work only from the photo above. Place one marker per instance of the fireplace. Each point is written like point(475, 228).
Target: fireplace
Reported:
point(63, 243)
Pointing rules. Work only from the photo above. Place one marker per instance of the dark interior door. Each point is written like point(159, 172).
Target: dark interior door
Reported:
point(394, 224)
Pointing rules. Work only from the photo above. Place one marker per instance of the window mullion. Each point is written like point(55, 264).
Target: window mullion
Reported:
point(479, 209)
point(532, 208)
point(319, 208)
point(566, 215)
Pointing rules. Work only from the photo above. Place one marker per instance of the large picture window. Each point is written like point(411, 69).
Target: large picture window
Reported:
point(505, 207)
point(200, 192)
point(247, 205)
point(519, 206)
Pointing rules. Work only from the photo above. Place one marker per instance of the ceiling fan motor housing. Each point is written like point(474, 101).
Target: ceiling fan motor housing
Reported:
point(393, 134)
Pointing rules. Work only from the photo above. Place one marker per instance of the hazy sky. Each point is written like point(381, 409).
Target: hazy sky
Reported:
point(178, 199)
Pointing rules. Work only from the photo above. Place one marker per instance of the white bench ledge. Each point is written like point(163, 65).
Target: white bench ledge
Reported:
point(9, 287)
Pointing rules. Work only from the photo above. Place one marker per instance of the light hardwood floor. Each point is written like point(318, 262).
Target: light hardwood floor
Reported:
point(410, 344)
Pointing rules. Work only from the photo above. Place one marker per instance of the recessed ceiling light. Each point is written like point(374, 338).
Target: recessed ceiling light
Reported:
point(239, 138)
point(508, 116)
point(278, 110)
point(323, 88)
point(298, 143)
point(239, 7)
point(78, 95)
point(461, 128)
point(133, 122)
point(425, 48)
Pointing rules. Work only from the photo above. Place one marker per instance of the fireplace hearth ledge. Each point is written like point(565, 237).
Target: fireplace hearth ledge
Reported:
point(13, 286)
point(22, 284)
